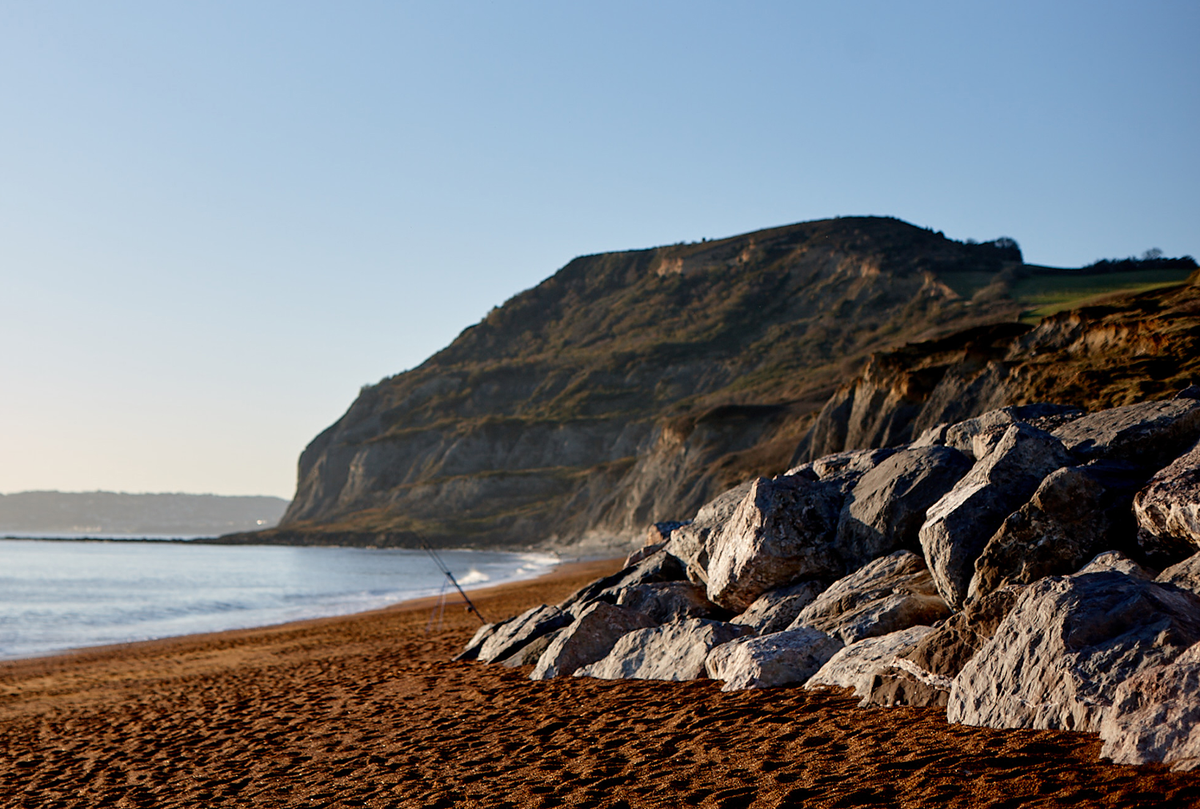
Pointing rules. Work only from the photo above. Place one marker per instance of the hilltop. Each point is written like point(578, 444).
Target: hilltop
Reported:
point(631, 387)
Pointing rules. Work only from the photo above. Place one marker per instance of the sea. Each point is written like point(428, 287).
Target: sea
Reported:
point(64, 594)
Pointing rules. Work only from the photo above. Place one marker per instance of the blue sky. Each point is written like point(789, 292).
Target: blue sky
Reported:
point(219, 219)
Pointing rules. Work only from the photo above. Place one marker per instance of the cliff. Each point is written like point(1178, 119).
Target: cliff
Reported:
point(631, 387)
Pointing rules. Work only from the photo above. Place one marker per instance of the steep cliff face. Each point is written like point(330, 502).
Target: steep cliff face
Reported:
point(1129, 349)
point(629, 387)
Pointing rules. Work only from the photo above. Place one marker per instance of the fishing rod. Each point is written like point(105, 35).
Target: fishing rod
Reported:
point(438, 561)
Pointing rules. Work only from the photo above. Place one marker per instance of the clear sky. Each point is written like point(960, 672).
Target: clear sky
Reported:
point(219, 219)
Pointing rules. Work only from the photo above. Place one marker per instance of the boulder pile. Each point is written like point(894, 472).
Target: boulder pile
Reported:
point(1034, 567)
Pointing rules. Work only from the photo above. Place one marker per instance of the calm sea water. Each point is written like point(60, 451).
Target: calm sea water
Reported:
point(59, 594)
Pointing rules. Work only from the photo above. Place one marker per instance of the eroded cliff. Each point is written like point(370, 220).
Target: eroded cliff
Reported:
point(631, 387)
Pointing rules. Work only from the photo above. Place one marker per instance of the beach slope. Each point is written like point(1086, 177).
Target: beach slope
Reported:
point(366, 710)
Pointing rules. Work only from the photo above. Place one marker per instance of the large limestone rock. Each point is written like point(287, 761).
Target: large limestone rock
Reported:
point(471, 650)
point(844, 467)
point(924, 675)
point(1076, 513)
point(953, 642)
point(976, 437)
point(775, 610)
point(902, 682)
point(1149, 435)
point(780, 658)
point(669, 601)
point(1155, 716)
point(659, 566)
point(1057, 658)
point(892, 593)
point(959, 525)
point(1185, 574)
point(528, 654)
point(1110, 561)
point(648, 549)
point(886, 508)
point(855, 665)
point(669, 652)
point(511, 635)
point(590, 638)
point(1168, 509)
point(691, 543)
point(782, 531)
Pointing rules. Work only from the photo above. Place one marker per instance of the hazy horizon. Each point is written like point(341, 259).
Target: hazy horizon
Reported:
point(220, 220)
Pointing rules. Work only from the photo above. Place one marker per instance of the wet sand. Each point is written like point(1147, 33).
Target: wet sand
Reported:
point(366, 710)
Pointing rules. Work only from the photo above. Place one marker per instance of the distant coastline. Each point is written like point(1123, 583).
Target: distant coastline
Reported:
point(122, 516)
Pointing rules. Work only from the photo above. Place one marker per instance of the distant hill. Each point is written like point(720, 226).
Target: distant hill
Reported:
point(154, 515)
point(631, 387)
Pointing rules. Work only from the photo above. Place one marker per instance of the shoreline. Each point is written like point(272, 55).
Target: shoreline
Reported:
point(367, 710)
point(568, 569)
point(544, 564)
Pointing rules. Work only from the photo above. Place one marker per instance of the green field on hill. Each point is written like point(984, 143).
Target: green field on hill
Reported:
point(1048, 290)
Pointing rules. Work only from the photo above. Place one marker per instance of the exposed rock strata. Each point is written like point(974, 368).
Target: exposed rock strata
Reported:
point(618, 394)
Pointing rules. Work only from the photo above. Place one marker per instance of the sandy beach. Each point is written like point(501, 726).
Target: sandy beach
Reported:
point(367, 710)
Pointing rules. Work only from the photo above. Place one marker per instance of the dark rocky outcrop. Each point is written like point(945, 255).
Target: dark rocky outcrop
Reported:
point(671, 601)
point(657, 567)
point(956, 640)
point(510, 636)
point(1148, 435)
point(1185, 574)
point(528, 654)
point(902, 683)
